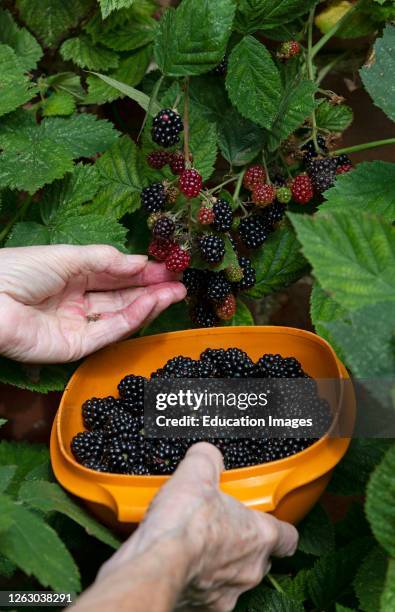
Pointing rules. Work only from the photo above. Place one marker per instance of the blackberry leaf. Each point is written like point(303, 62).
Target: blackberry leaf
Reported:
point(334, 118)
point(108, 6)
point(15, 87)
point(380, 501)
point(59, 103)
point(255, 15)
point(25, 46)
point(85, 54)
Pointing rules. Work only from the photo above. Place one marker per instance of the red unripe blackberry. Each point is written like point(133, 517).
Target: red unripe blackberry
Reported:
point(344, 169)
point(166, 127)
point(203, 315)
point(223, 216)
point(158, 159)
point(218, 286)
point(263, 194)
point(212, 248)
point(322, 172)
point(252, 231)
point(177, 162)
point(254, 175)
point(190, 183)
point(206, 215)
point(178, 259)
point(160, 249)
point(302, 189)
point(288, 49)
point(153, 197)
point(343, 164)
point(164, 228)
point(226, 309)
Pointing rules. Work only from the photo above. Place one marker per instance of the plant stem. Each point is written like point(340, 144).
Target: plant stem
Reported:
point(333, 31)
point(266, 170)
point(153, 98)
point(365, 145)
point(274, 582)
point(18, 215)
point(238, 185)
point(229, 180)
point(310, 71)
point(326, 69)
point(186, 123)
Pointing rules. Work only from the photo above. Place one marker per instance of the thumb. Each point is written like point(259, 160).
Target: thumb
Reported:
point(203, 464)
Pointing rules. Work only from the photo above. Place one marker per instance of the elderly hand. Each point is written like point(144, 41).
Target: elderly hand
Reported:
point(59, 303)
point(196, 549)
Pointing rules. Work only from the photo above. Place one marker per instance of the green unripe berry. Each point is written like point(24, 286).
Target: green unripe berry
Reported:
point(284, 195)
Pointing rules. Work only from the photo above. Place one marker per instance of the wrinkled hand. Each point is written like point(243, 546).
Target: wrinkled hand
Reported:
point(224, 547)
point(59, 303)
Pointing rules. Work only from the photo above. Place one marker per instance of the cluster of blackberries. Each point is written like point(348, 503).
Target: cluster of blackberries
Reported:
point(114, 439)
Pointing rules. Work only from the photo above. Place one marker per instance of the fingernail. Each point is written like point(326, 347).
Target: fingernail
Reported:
point(136, 258)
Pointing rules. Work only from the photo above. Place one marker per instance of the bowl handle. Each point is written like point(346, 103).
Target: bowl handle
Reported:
point(262, 492)
point(125, 508)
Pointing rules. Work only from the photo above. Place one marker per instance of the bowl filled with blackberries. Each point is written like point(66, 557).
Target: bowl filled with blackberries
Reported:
point(102, 453)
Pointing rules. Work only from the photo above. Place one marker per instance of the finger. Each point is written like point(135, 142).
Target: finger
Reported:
point(280, 539)
point(154, 272)
point(163, 301)
point(110, 301)
point(203, 463)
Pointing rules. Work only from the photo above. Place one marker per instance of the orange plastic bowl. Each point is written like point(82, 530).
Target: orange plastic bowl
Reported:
point(288, 488)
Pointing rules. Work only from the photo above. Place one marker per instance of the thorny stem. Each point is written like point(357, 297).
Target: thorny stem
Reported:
point(365, 145)
point(186, 122)
point(274, 582)
point(333, 31)
point(310, 71)
point(19, 215)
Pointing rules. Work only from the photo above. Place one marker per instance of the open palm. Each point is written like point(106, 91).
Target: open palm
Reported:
point(59, 303)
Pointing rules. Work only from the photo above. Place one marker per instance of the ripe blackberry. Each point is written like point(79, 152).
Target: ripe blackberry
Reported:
point(166, 126)
point(276, 366)
point(178, 367)
point(272, 214)
point(203, 315)
point(235, 363)
point(283, 195)
point(214, 357)
point(96, 465)
point(206, 215)
point(234, 273)
point(153, 197)
point(190, 183)
point(88, 446)
point(288, 49)
point(139, 468)
point(342, 160)
point(302, 189)
point(254, 175)
point(212, 248)
point(164, 228)
point(120, 424)
point(226, 308)
point(178, 259)
point(240, 453)
point(221, 68)
point(309, 150)
point(252, 231)
point(166, 455)
point(160, 249)
point(223, 216)
point(121, 456)
point(322, 173)
point(218, 287)
point(96, 411)
point(158, 159)
point(194, 280)
point(263, 194)
point(249, 275)
point(131, 388)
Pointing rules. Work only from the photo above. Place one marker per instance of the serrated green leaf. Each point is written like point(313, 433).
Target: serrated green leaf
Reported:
point(316, 533)
point(50, 19)
point(15, 87)
point(255, 15)
point(76, 228)
point(7, 569)
point(138, 96)
point(297, 103)
point(387, 601)
point(108, 6)
point(131, 35)
point(131, 70)
point(323, 310)
point(243, 316)
point(278, 263)
point(333, 572)
point(37, 550)
point(369, 581)
point(28, 233)
point(333, 117)
point(377, 76)
point(120, 179)
point(85, 54)
point(24, 456)
point(182, 48)
point(380, 501)
point(7, 514)
point(49, 497)
point(369, 187)
point(359, 273)
point(296, 588)
point(272, 601)
point(67, 82)
point(7, 473)
point(20, 40)
point(58, 103)
point(203, 144)
point(35, 378)
point(173, 318)
point(253, 82)
point(239, 139)
point(352, 473)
